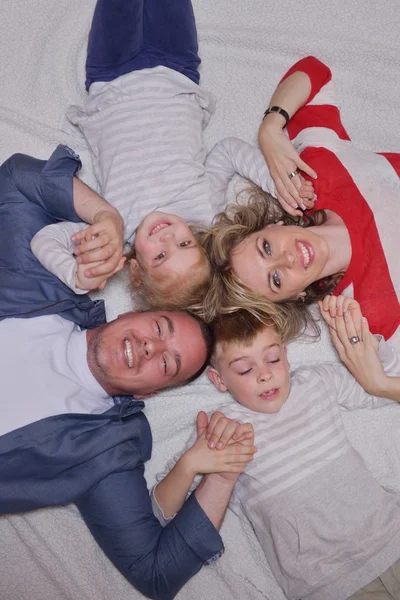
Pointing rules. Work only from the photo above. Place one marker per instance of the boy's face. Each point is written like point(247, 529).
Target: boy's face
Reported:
point(257, 375)
point(164, 243)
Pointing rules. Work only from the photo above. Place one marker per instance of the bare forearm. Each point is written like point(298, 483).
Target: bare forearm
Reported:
point(290, 95)
point(88, 204)
point(213, 495)
point(171, 492)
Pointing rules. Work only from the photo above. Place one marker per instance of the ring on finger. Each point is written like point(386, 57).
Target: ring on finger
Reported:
point(354, 340)
point(293, 173)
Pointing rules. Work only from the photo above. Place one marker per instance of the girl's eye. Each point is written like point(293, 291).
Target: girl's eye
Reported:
point(160, 256)
point(184, 244)
point(276, 279)
point(266, 247)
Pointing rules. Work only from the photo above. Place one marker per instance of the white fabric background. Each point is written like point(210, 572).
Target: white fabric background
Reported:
point(246, 46)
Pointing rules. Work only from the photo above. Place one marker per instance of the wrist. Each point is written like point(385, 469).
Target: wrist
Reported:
point(186, 465)
point(105, 212)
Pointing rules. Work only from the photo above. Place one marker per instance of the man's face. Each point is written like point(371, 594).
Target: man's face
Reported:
point(143, 352)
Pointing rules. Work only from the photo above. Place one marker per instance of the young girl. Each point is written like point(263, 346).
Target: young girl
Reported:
point(352, 244)
point(325, 524)
point(143, 120)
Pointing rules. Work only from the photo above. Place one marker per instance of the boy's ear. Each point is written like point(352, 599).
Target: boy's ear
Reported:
point(215, 378)
point(134, 270)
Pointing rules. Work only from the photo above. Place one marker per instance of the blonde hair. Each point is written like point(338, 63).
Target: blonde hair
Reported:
point(240, 327)
point(176, 289)
point(228, 293)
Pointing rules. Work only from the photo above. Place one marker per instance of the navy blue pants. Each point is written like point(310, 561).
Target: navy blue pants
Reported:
point(129, 35)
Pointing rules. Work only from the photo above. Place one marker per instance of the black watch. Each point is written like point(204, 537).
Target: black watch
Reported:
point(279, 110)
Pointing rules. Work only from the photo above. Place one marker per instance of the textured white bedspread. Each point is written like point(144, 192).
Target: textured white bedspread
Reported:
point(246, 46)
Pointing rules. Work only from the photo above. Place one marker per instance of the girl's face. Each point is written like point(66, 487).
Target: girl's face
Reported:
point(164, 242)
point(279, 262)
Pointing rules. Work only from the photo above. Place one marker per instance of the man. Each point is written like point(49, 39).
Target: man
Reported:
point(63, 436)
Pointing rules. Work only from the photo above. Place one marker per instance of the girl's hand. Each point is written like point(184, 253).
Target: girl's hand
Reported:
point(94, 283)
point(222, 431)
point(282, 159)
point(200, 459)
point(101, 243)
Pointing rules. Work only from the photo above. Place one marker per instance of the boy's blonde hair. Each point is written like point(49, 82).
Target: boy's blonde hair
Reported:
point(228, 293)
point(240, 327)
point(178, 290)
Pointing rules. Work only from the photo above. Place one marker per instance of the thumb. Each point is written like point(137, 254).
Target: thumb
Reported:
point(201, 423)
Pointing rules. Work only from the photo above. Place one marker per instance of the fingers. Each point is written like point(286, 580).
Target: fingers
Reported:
point(304, 167)
point(106, 268)
point(244, 431)
point(221, 431)
point(201, 423)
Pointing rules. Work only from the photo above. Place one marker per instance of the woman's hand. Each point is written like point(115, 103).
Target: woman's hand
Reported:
point(336, 306)
point(282, 159)
point(100, 246)
point(222, 431)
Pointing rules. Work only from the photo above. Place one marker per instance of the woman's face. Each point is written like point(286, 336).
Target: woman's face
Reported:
point(279, 262)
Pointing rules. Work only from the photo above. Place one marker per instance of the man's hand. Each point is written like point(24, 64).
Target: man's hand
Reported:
point(101, 244)
point(222, 431)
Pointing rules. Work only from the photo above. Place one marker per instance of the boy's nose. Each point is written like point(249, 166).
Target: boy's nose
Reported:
point(264, 375)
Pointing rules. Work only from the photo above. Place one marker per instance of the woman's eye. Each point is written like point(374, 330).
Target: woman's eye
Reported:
point(267, 248)
point(276, 279)
point(160, 256)
point(184, 244)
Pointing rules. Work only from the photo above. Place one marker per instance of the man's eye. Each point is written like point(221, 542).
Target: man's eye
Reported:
point(165, 366)
point(266, 247)
point(184, 244)
point(160, 256)
point(158, 329)
point(276, 279)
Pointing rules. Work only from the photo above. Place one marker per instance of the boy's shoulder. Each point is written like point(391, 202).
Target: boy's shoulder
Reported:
point(310, 373)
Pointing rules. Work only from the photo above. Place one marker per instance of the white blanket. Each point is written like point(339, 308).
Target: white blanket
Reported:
point(246, 46)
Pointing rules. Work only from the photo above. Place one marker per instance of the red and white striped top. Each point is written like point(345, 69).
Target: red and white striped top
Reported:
point(363, 188)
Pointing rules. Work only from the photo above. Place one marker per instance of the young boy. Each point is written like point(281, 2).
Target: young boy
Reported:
point(325, 524)
point(143, 120)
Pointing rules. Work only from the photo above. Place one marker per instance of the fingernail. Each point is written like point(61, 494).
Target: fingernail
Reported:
point(303, 206)
point(211, 444)
point(364, 320)
point(219, 446)
point(315, 198)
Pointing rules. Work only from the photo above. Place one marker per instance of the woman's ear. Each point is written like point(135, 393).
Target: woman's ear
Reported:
point(135, 272)
point(215, 378)
point(301, 297)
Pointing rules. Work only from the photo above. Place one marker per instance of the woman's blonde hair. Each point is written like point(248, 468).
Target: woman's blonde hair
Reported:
point(228, 293)
point(177, 289)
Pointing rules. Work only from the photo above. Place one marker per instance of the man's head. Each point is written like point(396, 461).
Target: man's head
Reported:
point(141, 353)
point(249, 361)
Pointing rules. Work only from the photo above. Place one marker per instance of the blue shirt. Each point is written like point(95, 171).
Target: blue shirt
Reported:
point(96, 461)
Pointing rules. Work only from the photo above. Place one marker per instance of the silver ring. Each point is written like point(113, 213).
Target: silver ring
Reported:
point(354, 340)
point(293, 174)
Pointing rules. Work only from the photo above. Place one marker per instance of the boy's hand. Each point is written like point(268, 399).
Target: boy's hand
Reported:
point(101, 243)
point(360, 358)
point(200, 459)
point(332, 307)
point(222, 431)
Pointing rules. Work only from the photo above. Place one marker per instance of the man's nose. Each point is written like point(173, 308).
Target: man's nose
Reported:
point(151, 346)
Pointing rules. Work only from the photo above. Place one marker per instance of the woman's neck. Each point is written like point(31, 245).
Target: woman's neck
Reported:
point(336, 235)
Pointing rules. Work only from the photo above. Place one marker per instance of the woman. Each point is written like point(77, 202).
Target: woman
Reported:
point(350, 243)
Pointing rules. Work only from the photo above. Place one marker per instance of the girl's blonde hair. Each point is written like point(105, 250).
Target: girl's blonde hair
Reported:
point(228, 293)
point(177, 290)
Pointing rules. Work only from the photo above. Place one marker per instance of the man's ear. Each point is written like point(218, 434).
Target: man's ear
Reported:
point(135, 272)
point(215, 378)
